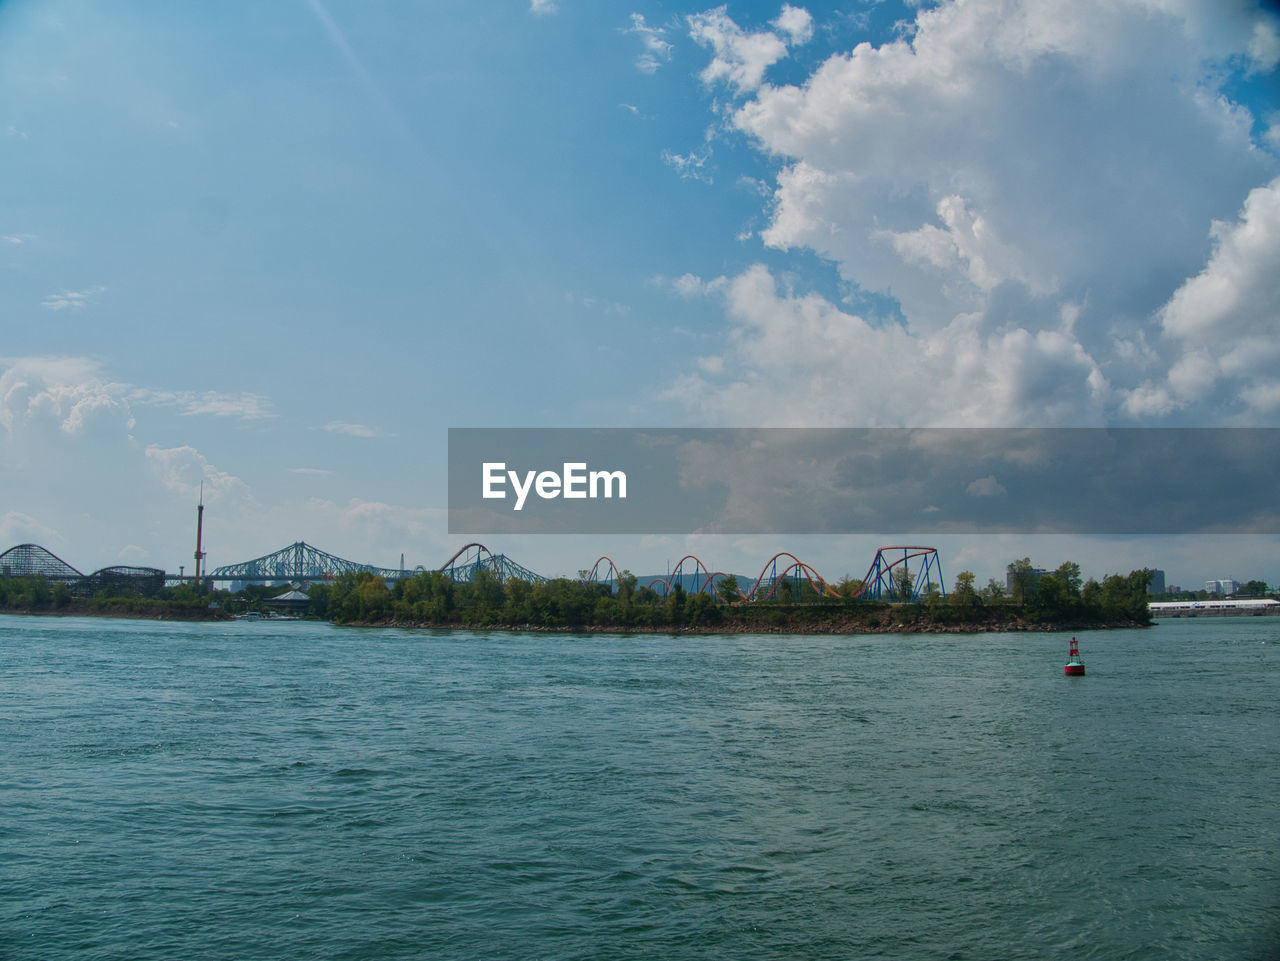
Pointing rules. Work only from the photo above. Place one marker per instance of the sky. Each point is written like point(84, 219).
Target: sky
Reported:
point(277, 250)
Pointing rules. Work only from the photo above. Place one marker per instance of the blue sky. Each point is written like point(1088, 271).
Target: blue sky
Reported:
point(280, 248)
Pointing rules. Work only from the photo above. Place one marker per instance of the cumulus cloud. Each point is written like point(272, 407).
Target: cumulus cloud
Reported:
point(187, 472)
point(67, 391)
point(1031, 186)
point(1225, 319)
point(542, 8)
point(798, 359)
point(738, 57)
point(796, 23)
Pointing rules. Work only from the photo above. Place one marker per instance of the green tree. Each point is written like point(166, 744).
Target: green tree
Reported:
point(701, 609)
point(963, 594)
point(901, 582)
point(1051, 598)
point(849, 586)
point(61, 595)
point(674, 604)
point(1068, 573)
point(727, 589)
point(626, 589)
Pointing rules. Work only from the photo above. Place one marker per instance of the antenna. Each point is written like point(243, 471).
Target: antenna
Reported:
point(199, 531)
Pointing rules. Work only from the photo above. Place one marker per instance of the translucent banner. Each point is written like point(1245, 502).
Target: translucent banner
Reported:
point(863, 480)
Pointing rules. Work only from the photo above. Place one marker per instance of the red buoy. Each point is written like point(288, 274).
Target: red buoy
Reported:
point(1074, 664)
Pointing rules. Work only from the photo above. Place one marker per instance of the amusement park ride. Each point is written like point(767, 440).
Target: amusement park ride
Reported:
point(889, 576)
point(896, 573)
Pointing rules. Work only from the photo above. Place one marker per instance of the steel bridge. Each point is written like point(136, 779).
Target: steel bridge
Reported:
point(298, 562)
point(301, 561)
point(897, 573)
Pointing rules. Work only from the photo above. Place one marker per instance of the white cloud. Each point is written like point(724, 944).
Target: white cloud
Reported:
point(311, 471)
point(690, 166)
point(1264, 46)
point(985, 487)
point(1225, 320)
point(1030, 183)
point(796, 23)
point(244, 406)
point(69, 391)
point(70, 299)
point(542, 8)
point(657, 50)
point(799, 360)
point(188, 473)
point(738, 57)
point(353, 430)
point(211, 403)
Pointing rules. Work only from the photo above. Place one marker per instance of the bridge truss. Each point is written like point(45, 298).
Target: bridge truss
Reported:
point(298, 562)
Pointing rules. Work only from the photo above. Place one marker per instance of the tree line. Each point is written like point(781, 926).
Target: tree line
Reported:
point(432, 599)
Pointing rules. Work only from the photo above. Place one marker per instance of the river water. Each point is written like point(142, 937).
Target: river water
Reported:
point(302, 791)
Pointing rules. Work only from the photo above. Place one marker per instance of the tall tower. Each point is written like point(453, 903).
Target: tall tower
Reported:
point(199, 532)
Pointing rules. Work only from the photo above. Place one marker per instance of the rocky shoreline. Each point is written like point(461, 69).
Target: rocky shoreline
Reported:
point(850, 626)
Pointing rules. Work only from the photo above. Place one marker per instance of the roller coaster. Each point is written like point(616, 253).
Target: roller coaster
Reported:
point(470, 560)
point(27, 560)
point(784, 575)
point(897, 573)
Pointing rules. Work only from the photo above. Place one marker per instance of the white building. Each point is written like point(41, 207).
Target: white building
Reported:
point(1222, 586)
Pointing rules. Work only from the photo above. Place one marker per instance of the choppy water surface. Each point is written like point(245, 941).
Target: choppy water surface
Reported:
point(294, 790)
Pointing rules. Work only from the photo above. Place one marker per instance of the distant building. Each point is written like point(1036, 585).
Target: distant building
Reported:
point(1032, 575)
point(1157, 583)
point(290, 602)
point(1223, 585)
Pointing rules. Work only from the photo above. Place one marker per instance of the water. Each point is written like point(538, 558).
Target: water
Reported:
point(300, 791)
